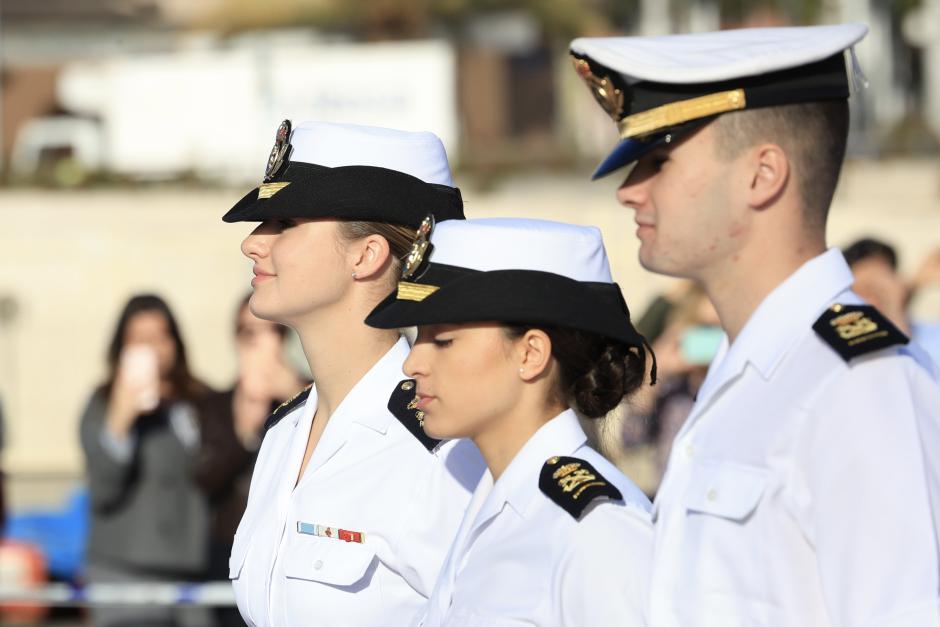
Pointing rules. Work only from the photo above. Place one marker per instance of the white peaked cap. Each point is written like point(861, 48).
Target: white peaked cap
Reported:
point(420, 154)
point(718, 56)
point(487, 244)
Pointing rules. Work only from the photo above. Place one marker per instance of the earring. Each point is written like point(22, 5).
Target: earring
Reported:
point(521, 370)
point(354, 274)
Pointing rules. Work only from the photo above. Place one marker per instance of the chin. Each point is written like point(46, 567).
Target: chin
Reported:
point(264, 310)
point(658, 266)
point(441, 430)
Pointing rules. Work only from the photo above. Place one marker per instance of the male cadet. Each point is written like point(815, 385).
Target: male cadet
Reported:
point(802, 491)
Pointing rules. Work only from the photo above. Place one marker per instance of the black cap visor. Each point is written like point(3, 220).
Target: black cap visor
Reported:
point(306, 190)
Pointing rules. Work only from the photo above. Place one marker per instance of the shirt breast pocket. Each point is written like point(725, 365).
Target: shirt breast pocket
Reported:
point(346, 565)
point(727, 542)
point(726, 490)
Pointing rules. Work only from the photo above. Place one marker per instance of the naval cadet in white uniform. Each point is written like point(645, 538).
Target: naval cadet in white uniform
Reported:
point(349, 515)
point(802, 490)
point(520, 324)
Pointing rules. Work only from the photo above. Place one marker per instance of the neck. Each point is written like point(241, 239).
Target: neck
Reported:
point(741, 284)
point(340, 350)
point(504, 438)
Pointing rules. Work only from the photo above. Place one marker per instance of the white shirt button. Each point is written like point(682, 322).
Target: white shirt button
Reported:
point(712, 495)
point(689, 451)
point(317, 565)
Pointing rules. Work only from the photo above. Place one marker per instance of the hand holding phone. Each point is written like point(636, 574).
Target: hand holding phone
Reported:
point(138, 372)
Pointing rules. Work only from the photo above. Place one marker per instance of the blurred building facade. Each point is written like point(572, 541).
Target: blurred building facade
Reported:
point(138, 88)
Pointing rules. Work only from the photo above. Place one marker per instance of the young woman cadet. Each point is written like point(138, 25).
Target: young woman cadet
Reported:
point(349, 516)
point(519, 322)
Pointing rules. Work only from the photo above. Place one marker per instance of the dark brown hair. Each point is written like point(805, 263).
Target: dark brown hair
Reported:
point(185, 385)
point(596, 372)
point(812, 134)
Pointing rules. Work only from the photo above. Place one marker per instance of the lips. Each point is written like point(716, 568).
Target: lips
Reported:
point(260, 276)
point(423, 400)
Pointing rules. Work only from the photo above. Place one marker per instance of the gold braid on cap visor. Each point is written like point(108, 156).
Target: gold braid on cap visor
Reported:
point(676, 113)
point(414, 291)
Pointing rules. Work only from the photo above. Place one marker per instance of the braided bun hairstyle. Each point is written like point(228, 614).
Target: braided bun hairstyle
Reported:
point(596, 372)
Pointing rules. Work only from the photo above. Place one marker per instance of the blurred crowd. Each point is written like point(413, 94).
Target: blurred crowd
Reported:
point(169, 460)
point(682, 327)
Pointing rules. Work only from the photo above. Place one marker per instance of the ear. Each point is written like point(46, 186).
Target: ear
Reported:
point(535, 352)
point(771, 172)
point(369, 256)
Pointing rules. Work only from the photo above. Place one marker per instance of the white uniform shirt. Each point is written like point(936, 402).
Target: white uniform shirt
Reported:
point(800, 491)
point(367, 474)
point(520, 559)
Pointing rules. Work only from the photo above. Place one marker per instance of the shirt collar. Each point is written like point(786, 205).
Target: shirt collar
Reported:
point(519, 483)
point(360, 403)
point(782, 317)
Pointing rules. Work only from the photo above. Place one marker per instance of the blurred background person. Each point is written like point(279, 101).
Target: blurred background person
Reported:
point(140, 436)
point(3, 508)
point(684, 348)
point(232, 426)
point(874, 265)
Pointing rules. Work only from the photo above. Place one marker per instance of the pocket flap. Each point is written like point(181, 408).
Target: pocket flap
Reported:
point(728, 490)
point(327, 560)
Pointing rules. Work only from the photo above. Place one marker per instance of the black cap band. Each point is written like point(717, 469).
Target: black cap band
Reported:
point(356, 192)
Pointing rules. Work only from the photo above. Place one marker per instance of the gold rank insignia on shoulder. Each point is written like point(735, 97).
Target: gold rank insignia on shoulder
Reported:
point(287, 407)
point(607, 95)
point(419, 248)
point(854, 330)
point(574, 484)
point(279, 153)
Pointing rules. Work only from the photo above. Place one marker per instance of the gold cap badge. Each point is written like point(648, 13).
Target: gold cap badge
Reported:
point(280, 152)
point(419, 247)
point(607, 95)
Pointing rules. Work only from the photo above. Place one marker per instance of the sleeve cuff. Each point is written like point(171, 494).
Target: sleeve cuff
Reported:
point(120, 449)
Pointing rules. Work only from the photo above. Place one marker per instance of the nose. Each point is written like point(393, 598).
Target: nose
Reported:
point(415, 365)
point(256, 245)
point(634, 191)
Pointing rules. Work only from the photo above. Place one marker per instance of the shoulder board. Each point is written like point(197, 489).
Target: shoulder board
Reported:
point(854, 330)
point(402, 405)
point(573, 484)
point(287, 407)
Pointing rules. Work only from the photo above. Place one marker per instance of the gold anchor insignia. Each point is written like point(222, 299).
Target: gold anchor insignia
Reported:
point(607, 95)
point(853, 324)
point(419, 247)
point(279, 152)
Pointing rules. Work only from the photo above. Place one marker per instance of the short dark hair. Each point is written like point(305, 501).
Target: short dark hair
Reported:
point(813, 135)
point(869, 247)
point(596, 372)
